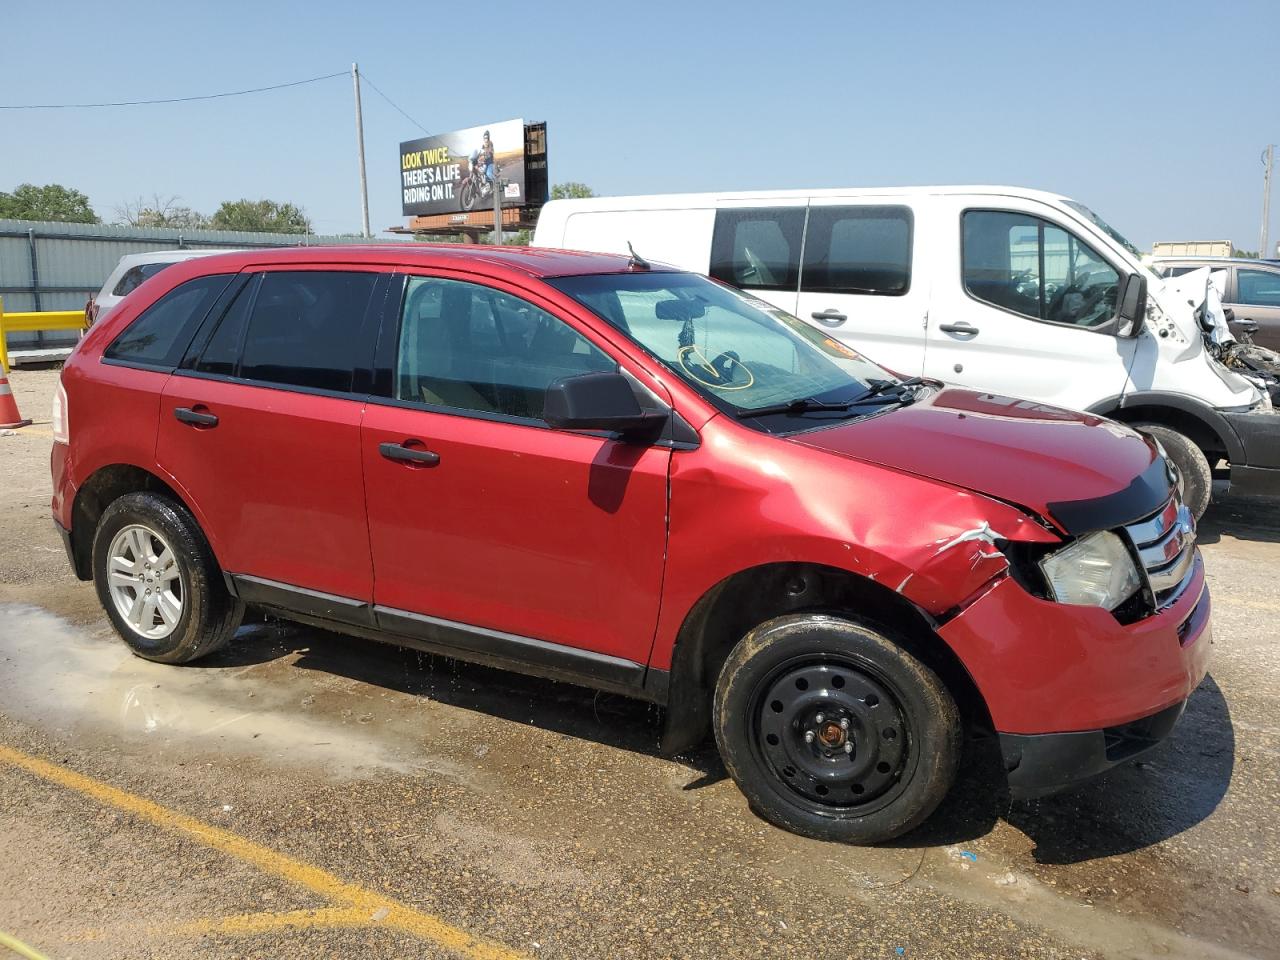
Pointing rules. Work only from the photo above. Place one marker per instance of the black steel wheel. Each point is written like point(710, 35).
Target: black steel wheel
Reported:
point(833, 730)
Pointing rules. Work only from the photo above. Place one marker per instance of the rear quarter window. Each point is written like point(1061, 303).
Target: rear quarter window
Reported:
point(160, 334)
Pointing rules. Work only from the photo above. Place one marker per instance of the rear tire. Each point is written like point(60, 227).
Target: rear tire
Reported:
point(158, 581)
point(1195, 477)
point(834, 731)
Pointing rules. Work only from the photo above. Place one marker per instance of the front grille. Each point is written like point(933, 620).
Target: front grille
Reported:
point(1166, 546)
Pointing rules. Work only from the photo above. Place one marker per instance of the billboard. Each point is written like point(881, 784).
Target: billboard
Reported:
point(454, 172)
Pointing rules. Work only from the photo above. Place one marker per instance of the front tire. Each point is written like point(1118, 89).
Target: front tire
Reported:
point(158, 581)
point(1195, 478)
point(834, 731)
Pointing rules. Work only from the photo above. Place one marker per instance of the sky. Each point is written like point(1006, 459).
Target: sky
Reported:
point(1154, 114)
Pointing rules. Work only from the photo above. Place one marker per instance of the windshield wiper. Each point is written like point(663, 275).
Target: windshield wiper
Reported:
point(802, 405)
point(875, 394)
point(880, 387)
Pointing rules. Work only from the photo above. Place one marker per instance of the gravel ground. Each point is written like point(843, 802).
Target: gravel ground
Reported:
point(538, 818)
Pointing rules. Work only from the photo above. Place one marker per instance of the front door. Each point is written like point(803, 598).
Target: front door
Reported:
point(857, 283)
point(1029, 310)
point(480, 515)
point(262, 433)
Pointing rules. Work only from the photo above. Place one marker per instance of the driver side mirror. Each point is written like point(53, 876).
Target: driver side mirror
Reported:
point(1132, 312)
point(601, 401)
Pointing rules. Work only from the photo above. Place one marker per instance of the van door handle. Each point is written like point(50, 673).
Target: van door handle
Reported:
point(195, 417)
point(831, 317)
point(403, 454)
point(958, 328)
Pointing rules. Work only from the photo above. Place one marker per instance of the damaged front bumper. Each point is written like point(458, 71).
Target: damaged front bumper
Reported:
point(1039, 764)
point(1072, 691)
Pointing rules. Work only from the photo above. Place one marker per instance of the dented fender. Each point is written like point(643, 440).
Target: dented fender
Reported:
point(733, 509)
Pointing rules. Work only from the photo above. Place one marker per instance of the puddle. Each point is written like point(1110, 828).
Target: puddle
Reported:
point(61, 678)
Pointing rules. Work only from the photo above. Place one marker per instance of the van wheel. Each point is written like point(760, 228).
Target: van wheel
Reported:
point(158, 581)
point(833, 731)
point(1195, 478)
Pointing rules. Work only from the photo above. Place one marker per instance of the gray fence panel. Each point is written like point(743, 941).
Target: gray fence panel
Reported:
point(73, 259)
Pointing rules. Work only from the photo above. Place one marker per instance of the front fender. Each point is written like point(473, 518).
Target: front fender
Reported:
point(932, 543)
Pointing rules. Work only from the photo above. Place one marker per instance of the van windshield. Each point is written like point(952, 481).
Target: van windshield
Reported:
point(1105, 227)
point(742, 353)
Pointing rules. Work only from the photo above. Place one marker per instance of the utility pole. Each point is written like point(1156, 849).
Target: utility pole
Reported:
point(497, 204)
point(364, 182)
point(1268, 160)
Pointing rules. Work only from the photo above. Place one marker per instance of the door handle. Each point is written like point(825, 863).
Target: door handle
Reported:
point(403, 454)
point(831, 317)
point(195, 417)
point(958, 328)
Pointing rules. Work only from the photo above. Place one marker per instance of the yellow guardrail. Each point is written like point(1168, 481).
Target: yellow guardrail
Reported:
point(31, 321)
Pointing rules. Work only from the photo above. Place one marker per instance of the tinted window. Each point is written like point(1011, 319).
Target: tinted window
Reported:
point(1177, 271)
point(162, 331)
point(473, 348)
point(303, 326)
point(1259, 288)
point(858, 250)
point(758, 248)
point(221, 354)
point(1032, 267)
point(134, 276)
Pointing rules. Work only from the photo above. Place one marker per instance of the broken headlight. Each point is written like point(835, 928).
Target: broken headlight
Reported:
point(1095, 571)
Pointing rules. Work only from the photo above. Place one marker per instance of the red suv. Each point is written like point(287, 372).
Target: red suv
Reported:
point(638, 479)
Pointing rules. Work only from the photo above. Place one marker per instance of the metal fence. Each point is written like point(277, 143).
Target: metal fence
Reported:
point(58, 266)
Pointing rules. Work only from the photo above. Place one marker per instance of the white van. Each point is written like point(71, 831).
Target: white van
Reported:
point(1003, 289)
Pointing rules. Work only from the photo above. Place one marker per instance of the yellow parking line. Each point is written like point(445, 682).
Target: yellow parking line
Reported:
point(20, 948)
point(350, 896)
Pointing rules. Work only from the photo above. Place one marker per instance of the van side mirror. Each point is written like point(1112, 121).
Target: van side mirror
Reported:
point(1133, 305)
point(601, 401)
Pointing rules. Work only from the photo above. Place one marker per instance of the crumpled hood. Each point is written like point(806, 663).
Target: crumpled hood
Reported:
point(1019, 451)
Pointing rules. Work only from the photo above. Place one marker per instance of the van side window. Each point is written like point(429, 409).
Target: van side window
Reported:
point(475, 348)
point(161, 333)
point(303, 326)
point(857, 250)
point(1035, 268)
point(758, 247)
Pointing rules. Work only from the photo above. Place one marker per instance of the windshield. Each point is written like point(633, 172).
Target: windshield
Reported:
point(740, 352)
point(1105, 227)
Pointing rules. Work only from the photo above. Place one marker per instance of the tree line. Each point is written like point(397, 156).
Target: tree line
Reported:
point(54, 202)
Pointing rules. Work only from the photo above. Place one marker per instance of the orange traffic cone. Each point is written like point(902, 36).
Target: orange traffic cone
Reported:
point(9, 415)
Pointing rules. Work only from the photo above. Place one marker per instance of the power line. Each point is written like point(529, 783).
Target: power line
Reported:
point(365, 77)
point(142, 103)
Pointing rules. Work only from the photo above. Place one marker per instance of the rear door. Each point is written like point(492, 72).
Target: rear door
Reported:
point(857, 280)
point(1024, 306)
point(260, 430)
point(482, 517)
point(757, 248)
point(1256, 297)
